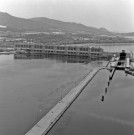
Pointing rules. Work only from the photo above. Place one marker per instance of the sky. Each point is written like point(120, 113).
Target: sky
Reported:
point(115, 15)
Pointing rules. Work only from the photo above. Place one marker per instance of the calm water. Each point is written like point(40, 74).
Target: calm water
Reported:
point(89, 116)
point(29, 87)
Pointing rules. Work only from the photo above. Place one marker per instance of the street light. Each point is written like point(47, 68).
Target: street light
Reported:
point(38, 116)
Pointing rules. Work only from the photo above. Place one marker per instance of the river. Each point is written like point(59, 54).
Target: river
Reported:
point(30, 87)
point(88, 115)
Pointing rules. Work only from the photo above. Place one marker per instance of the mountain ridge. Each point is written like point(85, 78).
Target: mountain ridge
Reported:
point(42, 24)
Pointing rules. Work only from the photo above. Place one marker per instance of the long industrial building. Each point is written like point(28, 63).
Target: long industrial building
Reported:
point(75, 50)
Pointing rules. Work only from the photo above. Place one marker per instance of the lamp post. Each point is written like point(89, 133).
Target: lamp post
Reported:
point(61, 94)
point(38, 116)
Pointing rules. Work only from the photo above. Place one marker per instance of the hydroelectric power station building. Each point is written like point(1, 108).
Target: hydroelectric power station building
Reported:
point(70, 50)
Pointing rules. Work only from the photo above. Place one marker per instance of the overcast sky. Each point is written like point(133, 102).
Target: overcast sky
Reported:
point(115, 15)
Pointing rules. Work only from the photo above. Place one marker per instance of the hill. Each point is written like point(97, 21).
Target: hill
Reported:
point(42, 24)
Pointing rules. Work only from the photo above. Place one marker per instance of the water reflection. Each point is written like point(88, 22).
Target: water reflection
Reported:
point(30, 87)
point(88, 115)
point(64, 59)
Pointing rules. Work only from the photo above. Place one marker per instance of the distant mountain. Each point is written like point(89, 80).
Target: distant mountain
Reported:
point(68, 26)
point(20, 24)
point(42, 24)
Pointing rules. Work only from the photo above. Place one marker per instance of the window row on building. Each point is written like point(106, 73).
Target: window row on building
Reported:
point(60, 49)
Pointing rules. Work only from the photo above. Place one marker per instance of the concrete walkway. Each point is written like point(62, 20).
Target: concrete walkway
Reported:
point(48, 121)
